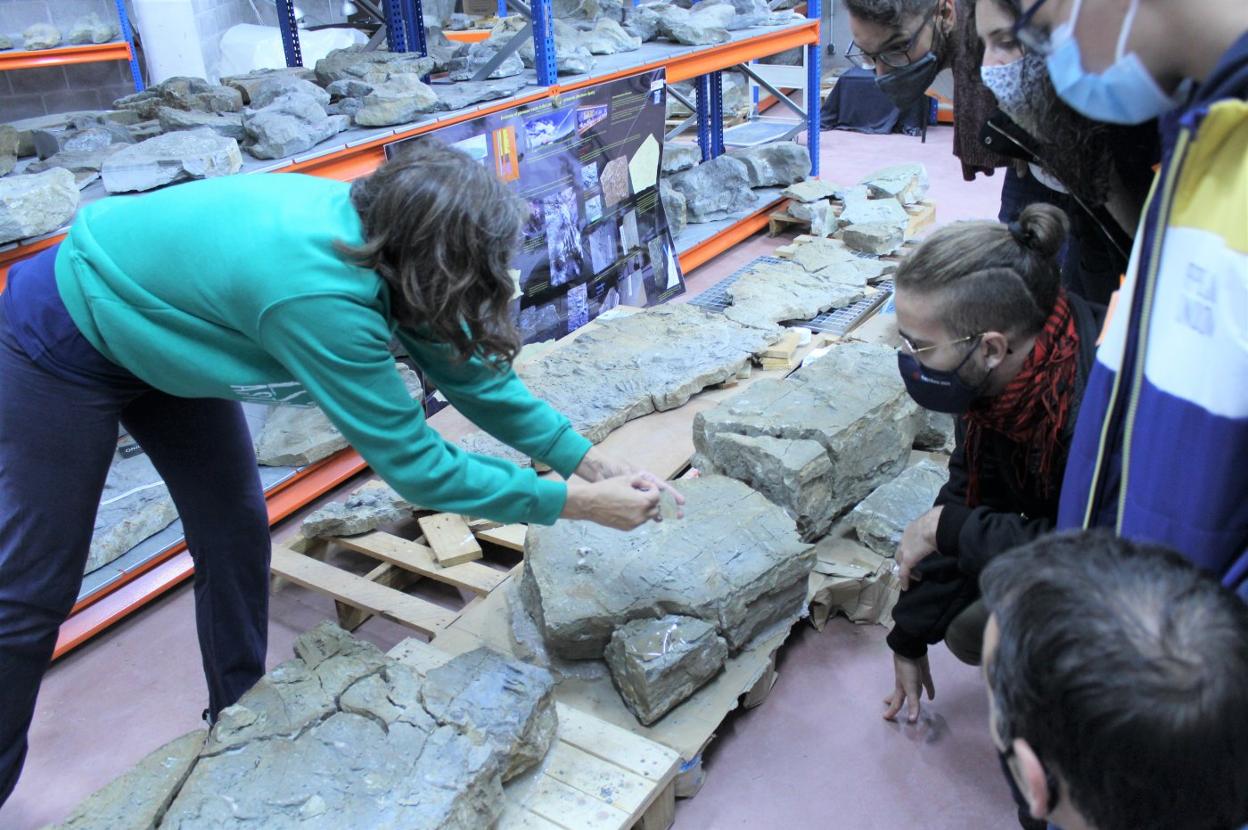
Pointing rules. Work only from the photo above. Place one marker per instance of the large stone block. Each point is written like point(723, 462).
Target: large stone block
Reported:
point(849, 405)
point(658, 664)
point(636, 364)
point(734, 560)
point(767, 294)
point(248, 84)
point(36, 203)
point(289, 124)
point(715, 189)
point(371, 67)
point(882, 517)
point(771, 165)
point(341, 737)
point(182, 93)
point(398, 100)
point(170, 158)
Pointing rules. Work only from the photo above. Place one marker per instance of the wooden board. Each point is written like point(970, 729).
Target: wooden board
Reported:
point(510, 537)
point(596, 776)
point(922, 216)
point(417, 558)
point(418, 614)
point(450, 539)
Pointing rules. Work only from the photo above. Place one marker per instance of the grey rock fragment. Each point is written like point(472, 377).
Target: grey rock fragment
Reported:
point(441, 48)
point(280, 85)
point(170, 158)
point(290, 124)
point(848, 406)
point(182, 93)
point(505, 704)
point(935, 431)
point(250, 82)
point(734, 560)
point(907, 183)
point(348, 88)
point(769, 294)
point(588, 9)
point(608, 37)
point(294, 436)
point(658, 664)
point(860, 209)
point(811, 190)
point(398, 100)
point(820, 215)
point(708, 25)
point(91, 28)
point(874, 238)
point(715, 189)
point(629, 366)
point(366, 509)
point(679, 156)
point(5, 43)
point(572, 56)
point(833, 256)
point(464, 67)
point(36, 203)
point(466, 93)
point(777, 163)
point(40, 36)
point(228, 124)
point(9, 143)
point(370, 67)
point(139, 797)
point(675, 208)
point(880, 519)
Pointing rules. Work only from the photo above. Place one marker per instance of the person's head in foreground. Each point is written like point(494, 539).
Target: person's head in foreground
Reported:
point(441, 230)
point(974, 300)
point(1116, 677)
point(906, 43)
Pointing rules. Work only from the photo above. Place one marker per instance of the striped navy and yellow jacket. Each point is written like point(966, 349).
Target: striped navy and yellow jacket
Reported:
point(1161, 447)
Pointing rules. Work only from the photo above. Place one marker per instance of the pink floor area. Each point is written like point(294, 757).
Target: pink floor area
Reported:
point(815, 755)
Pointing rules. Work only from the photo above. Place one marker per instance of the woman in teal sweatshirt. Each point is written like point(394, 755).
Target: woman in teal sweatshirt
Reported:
point(163, 312)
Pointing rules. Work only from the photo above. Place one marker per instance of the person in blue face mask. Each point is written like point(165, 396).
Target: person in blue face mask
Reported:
point(988, 334)
point(1160, 445)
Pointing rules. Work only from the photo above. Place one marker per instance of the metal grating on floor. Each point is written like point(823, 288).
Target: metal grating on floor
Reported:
point(837, 321)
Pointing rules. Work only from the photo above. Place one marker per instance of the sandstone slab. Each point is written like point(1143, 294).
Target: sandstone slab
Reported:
point(295, 436)
point(636, 364)
point(36, 203)
point(366, 509)
point(289, 124)
point(768, 294)
point(834, 256)
point(715, 189)
point(874, 238)
point(818, 441)
point(170, 158)
point(734, 560)
point(658, 664)
point(778, 163)
point(882, 517)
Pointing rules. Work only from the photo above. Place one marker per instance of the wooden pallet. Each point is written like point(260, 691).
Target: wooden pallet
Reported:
point(400, 563)
point(595, 777)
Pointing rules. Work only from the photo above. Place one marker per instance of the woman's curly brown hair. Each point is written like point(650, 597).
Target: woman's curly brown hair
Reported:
point(441, 230)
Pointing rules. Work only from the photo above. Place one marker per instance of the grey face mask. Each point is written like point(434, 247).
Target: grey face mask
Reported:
point(1021, 91)
point(906, 85)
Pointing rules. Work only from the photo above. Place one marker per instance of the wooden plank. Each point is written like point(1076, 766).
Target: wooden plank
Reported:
point(518, 817)
point(415, 557)
point(783, 348)
point(552, 799)
point(508, 536)
point(611, 743)
point(599, 779)
point(661, 814)
point(449, 537)
point(921, 216)
point(413, 612)
point(350, 617)
point(420, 656)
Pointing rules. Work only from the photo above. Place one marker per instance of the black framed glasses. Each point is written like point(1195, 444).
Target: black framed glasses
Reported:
point(1034, 39)
point(896, 58)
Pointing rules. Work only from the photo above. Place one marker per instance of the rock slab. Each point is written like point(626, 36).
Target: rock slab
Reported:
point(36, 203)
point(289, 124)
point(768, 294)
point(715, 189)
point(658, 664)
point(366, 509)
point(170, 158)
point(775, 164)
point(818, 441)
point(882, 517)
point(734, 561)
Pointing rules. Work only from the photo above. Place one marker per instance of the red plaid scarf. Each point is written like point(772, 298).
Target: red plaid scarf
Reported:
point(1033, 409)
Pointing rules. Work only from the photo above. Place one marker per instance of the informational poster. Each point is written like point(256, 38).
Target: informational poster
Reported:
point(587, 165)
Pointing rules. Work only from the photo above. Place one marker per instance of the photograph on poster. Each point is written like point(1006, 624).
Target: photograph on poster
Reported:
point(632, 285)
point(549, 127)
point(593, 208)
point(477, 148)
point(577, 306)
point(562, 237)
point(589, 117)
point(541, 322)
point(663, 264)
point(628, 231)
point(601, 245)
point(614, 181)
point(589, 176)
point(535, 224)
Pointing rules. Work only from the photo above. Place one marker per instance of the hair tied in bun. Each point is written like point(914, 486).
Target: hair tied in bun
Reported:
point(1020, 235)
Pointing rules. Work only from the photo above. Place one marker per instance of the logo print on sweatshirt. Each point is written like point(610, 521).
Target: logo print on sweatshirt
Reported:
point(274, 394)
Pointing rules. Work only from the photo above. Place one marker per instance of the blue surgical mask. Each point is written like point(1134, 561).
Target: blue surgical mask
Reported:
point(1125, 93)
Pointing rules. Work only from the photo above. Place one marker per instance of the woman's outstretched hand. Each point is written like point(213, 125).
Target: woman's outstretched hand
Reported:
point(598, 465)
point(621, 502)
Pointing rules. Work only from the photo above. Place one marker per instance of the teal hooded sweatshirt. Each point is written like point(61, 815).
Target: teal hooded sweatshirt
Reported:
point(234, 288)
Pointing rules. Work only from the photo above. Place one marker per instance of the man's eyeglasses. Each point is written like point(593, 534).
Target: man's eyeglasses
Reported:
point(918, 350)
point(897, 57)
point(1033, 39)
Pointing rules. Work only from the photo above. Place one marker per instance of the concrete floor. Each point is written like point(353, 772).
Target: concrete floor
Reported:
point(815, 754)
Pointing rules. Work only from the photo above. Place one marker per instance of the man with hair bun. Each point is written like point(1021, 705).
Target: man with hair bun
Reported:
point(989, 335)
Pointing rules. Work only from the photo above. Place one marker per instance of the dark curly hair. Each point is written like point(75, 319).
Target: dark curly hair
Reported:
point(441, 229)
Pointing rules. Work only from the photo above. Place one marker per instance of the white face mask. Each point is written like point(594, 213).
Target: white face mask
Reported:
point(1021, 90)
point(1125, 93)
